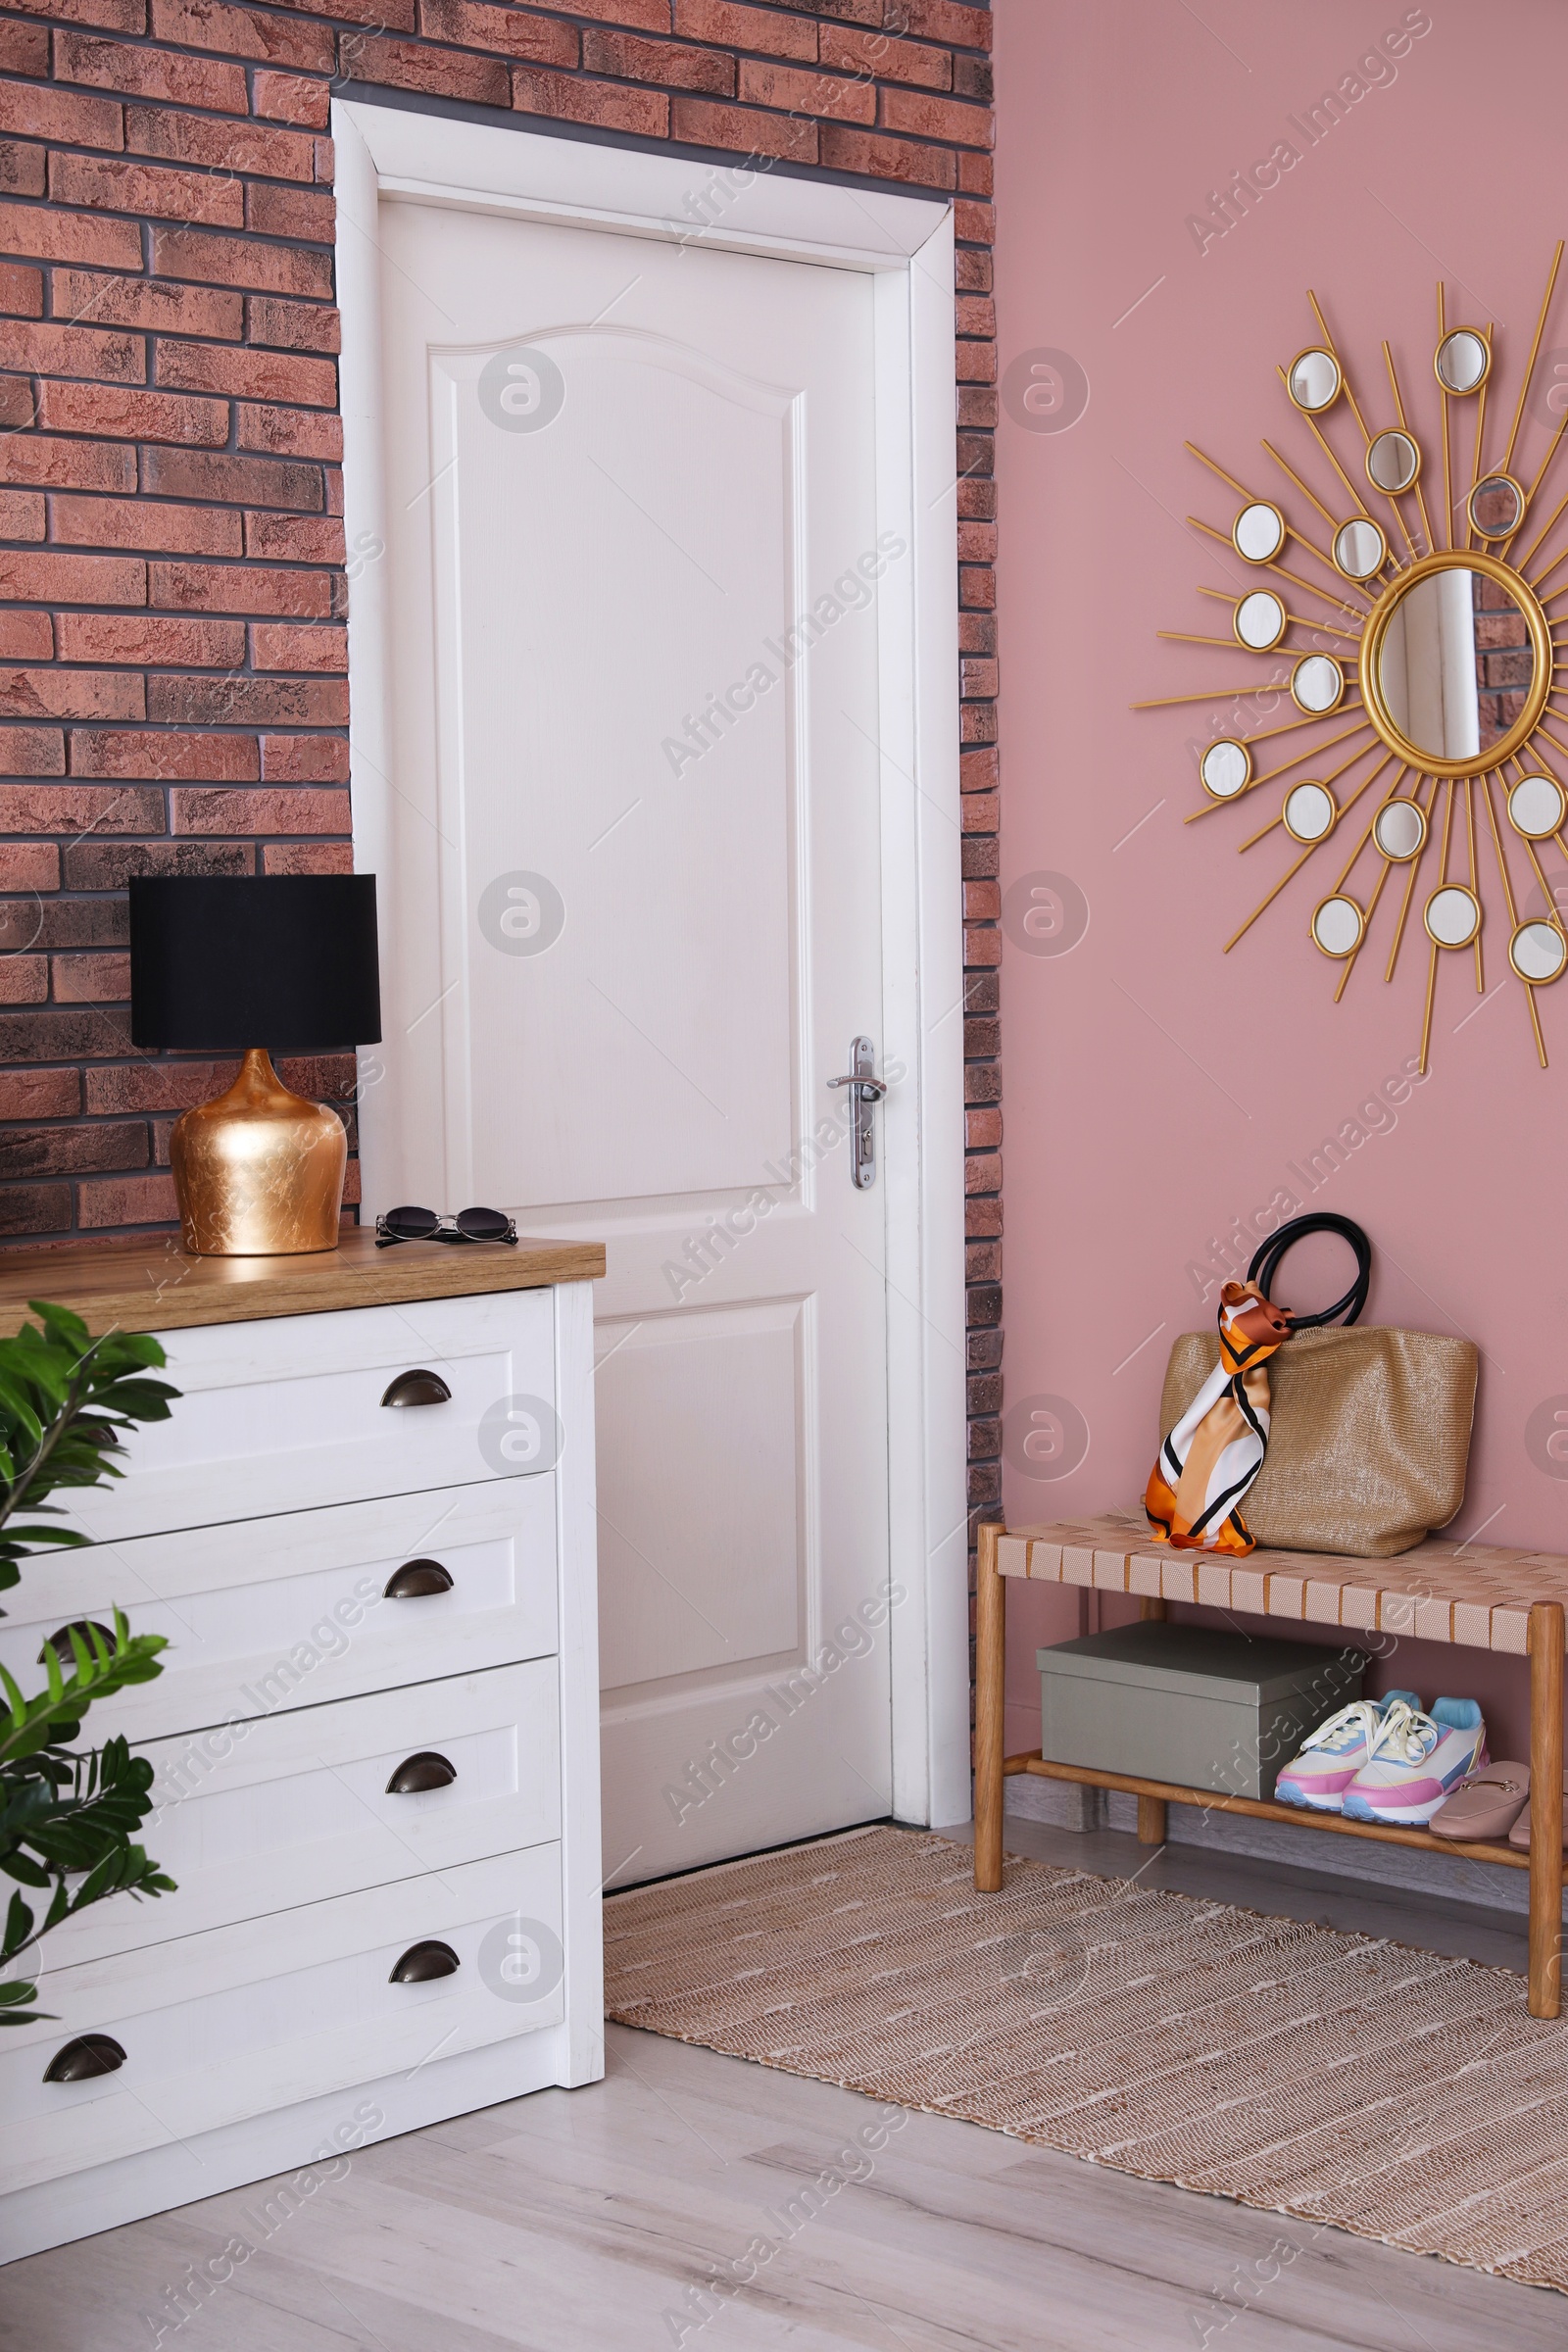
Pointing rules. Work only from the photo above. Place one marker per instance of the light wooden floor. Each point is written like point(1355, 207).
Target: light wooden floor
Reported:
point(578, 2220)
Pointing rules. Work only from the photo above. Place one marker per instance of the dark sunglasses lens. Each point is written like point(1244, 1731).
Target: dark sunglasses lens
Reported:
point(411, 1224)
point(482, 1224)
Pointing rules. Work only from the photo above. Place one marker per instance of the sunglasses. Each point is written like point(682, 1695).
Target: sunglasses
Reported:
point(423, 1225)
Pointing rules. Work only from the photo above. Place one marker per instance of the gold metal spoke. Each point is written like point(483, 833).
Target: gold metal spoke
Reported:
point(1310, 850)
point(1420, 494)
point(1311, 753)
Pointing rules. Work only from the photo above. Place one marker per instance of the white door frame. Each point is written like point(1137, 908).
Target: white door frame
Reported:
point(907, 244)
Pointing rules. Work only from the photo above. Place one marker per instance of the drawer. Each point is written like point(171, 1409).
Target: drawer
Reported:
point(283, 1613)
point(296, 1809)
point(243, 2020)
point(287, 1414)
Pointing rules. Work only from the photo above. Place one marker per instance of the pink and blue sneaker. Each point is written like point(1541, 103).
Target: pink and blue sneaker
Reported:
point(1416, 1761)
point(1336, 1751)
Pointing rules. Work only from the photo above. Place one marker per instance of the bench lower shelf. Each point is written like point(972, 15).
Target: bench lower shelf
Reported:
point(1214, 1800)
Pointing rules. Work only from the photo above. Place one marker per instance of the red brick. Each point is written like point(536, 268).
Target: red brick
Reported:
point(974, 223)
point(243, 32)
point(37, 1094)
point(277, 208)
point(115, 1088)
point(564, 98)
point(295, 325)
point(27, 636)
point(982, 1172)
point(125, 1200)
point(979, 678)
point(863, 151)
point(21, 169)
point(889, 59)
point(69, 236)
point(70, 694)
point(305, 760)
point(23, 48)
point(143, 301)
point(975, 315)
point(982, 814)
point(704, 124)
point(18, 405)
point(237, 588)
point(977, 632)
point(252, 812)
point(786, 87)
point(644, 16)
point(22, 515)
point(418, 66)
point(307, 857)
point(671, 64)
point(49, 579)
point(740, 28)
point(30, 1209)
point(143, 523)
point(111, 16)
point(976, 174)
point(147, 637)
point(942, 21)
point(30, 752)
point(332, 484)
point(274, 648)
point(290, 432)
point(234, 262)
point(972, 272)
point(49, 349)
point(540, 40)
point(977, 771)
point(68, 1151)
point(326, 161)
point(124, 416)
point(94, 865)
point(977, 502)
point(977, 543)
point(977, 724)
point(294, 538)
point(78, 809)
point(231, 480)
point(974, 77)
point(252, 374)
point(232, 701)
point(151, 74)
point(20, 291)
point(95, 980)
point(226, 146)
point(97, 752)
point(288, 98)
point(23, 980)
point(146, 188)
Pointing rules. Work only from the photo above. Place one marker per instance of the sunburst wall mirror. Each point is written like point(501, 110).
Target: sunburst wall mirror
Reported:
point(1423, 700)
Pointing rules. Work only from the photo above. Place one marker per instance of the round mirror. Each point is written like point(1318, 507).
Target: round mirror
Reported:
point(1313, 380)
point(1537, 807)
point(1225, 768)
point(1359, 549)
point(1310, 812)
point(1538, 953)
point(1392, 463)
point(1317, 684)
point(1400, 829)
point(1338, 926)
point(1453, 915)
point(1463, 359)
point(1260, 532)
point(1496, 507)
point(1451, 670)
point(1260, 621)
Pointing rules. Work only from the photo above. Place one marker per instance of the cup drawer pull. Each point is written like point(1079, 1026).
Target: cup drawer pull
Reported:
point(416, 1578)
point(417, 1388)
point(423, 1961)
point(89, 2054)
point(60, 1640)
point(426, 1770)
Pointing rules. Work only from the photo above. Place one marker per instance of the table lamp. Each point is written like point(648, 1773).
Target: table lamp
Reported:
point(216, 963)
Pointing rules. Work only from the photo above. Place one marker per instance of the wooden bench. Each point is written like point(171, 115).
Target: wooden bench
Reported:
point(1475, 1597)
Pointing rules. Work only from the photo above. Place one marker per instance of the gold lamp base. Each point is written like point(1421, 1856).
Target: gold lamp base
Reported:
point(259, 1170)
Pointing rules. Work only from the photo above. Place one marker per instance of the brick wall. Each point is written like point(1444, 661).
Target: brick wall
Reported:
point(172, 596)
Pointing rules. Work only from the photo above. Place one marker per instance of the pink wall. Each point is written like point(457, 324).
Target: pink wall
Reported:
point(1156, 1089)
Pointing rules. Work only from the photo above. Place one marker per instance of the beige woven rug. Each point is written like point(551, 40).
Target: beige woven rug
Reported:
point(1397, 2093)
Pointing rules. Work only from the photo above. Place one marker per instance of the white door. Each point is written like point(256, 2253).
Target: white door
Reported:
point(631, 910)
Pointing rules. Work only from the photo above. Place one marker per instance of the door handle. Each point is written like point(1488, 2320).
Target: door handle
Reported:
point(417, 1388)
point(89, 2054)
point(423, 1961)
point(866, 1091)
point(426, 1770)
point(417, 1579)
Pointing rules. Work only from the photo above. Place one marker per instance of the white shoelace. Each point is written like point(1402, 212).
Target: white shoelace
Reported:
point(1362, 1715)
point(1406, 1734)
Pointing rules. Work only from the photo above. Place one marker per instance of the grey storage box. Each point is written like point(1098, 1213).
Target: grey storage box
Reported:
point(1180, 1704)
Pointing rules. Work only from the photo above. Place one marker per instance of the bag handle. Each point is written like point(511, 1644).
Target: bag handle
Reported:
point(1265, 1265)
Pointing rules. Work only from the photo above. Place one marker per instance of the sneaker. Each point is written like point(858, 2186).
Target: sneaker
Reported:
point(1335, 1752)
point(1418, 1758)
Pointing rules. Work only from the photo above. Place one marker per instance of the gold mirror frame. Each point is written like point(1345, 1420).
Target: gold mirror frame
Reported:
point(1455, 795)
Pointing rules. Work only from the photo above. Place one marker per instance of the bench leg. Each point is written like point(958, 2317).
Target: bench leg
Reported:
point(991, 1643)
point(1152, 1814)
point(1545, 1807)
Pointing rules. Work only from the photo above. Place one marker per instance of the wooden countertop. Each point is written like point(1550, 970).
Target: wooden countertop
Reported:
point(153, 1286)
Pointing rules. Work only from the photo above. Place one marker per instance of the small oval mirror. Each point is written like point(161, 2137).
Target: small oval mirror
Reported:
point(1359, 549)
point(1337, 925)
point(1463, 360)
point(1400, 829)
point(1225, 768)
point(1537, 807)
point(1310, 812)
point(1258, 532)
point(1260, 621)
point(1496, 507)
point(1453, 915)
point(1538, 953)
point(1313, 382)
point(1317, 684)
point(1392, 463)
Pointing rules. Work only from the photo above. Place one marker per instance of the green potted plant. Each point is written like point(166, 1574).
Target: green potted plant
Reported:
point(69, 1815)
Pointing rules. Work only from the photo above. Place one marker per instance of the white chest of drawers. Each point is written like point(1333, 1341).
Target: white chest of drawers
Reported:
point(376, 1734)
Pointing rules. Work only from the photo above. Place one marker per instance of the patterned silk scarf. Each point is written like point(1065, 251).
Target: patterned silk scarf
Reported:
point(1207, 1464)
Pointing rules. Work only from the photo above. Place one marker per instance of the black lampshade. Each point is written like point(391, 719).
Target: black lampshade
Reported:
point(225, 961)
